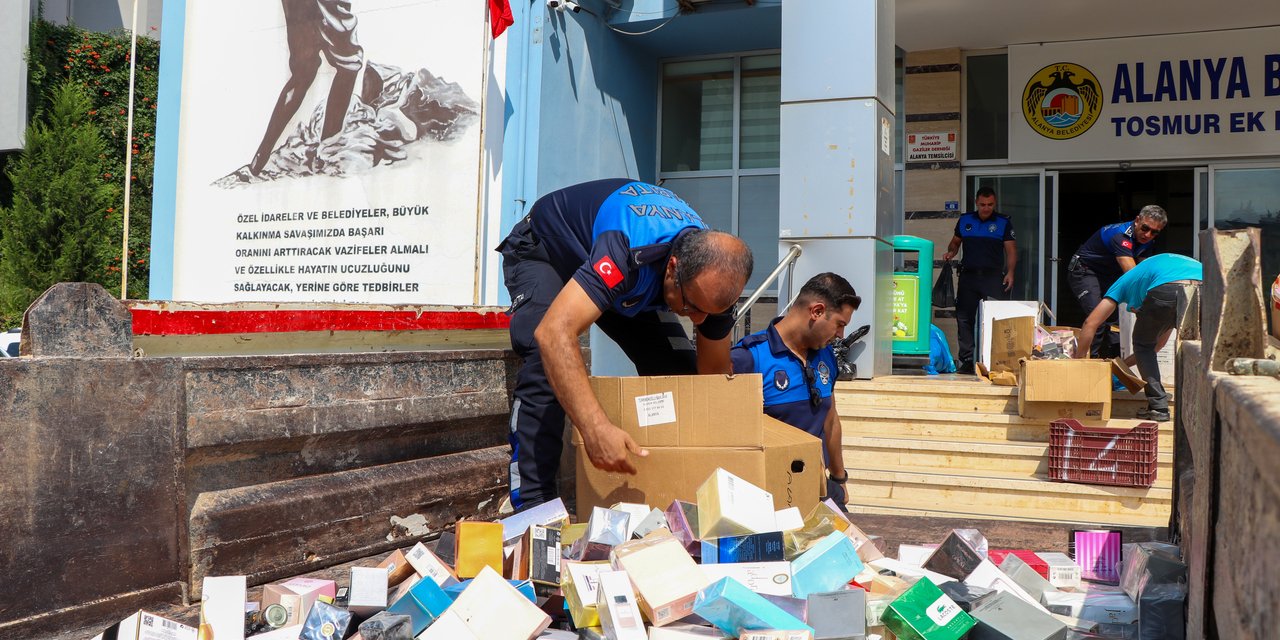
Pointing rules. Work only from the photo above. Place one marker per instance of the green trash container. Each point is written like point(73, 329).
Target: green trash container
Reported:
point(912, 297)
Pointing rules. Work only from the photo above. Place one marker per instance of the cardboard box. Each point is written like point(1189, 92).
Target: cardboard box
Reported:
point(731, 506)
point(685, 411)
point(397, 566)
point(838, 615)
point(580, 583)
point(147, 626)
point(297, 596)
point(1033, 560)
point(424, 603)
point(925, 613)
point(489, 608)
point(776, 634)
point(545, 514)
point(764, 578)
point(1051, 389)
point(368, 594)
point(1061, 571)
point(788, 465)
point(324, 622)
point(759, 547)
point(958, 555)
point(665, 577)
point(606, 529)
point(222, 606)
point(826, 566)
point(682, 520)
point(477, 545)
point(1098, 552)
point(541, 557)
point(1012, 339)
point(1004, 616)
point(685, 632)
point(429, 565)
point(1032, 582)
point(733, 608)
point(387, 626)
point(988, 576)
point(990, 311)
point(655, 521)
point(965, 595)
point(619, 612)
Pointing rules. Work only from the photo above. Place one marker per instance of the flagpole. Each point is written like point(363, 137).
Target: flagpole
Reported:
point(128, 157)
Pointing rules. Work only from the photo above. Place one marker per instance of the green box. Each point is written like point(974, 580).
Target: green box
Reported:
point(924, 612)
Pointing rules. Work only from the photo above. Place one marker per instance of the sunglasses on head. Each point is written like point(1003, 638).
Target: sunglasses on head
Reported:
point(1146, 228)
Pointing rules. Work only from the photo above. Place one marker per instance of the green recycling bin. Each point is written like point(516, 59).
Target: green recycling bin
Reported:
point(912, 296)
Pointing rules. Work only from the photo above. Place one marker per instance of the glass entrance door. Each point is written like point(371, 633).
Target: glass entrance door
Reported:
point(1018, 196)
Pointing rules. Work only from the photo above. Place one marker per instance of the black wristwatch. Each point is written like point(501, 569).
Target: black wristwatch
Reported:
point(838, 480)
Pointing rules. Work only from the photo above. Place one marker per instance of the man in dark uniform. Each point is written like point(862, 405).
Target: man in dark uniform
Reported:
point(1103, 258)
point(986, 269)
point(628, 257)
point(794, 356)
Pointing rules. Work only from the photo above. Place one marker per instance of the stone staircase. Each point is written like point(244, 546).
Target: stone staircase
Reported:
point(954, 446)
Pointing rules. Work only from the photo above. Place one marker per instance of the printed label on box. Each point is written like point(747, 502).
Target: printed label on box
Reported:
point(942, 611)
point(553, 557)
point(657, 408)
point(539, 533)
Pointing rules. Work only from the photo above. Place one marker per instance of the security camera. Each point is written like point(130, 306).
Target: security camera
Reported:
point(563, 5)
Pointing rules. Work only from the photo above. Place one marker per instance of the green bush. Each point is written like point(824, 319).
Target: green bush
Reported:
point(63, 205)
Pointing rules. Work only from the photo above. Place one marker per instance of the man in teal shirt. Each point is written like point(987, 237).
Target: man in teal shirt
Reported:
point(1163, 291)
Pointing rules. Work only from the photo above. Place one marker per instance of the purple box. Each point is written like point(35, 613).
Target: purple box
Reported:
point(1097, 551)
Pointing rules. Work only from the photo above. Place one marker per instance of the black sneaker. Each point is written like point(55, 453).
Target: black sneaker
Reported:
point(966, 370)
point(1155, 415)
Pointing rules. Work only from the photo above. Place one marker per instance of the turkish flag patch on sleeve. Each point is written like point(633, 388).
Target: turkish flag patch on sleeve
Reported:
point(608, 271)
point(1126, 244)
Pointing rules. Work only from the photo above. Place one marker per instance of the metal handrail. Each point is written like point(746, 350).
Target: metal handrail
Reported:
point(787, 261)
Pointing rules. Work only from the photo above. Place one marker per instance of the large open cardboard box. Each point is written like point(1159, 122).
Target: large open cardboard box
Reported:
point(787, 464)
point(1051, 389)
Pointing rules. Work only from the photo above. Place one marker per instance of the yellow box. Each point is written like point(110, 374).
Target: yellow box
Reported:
point(477, 545)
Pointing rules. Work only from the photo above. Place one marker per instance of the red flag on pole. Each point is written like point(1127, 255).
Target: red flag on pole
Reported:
point(500, 16)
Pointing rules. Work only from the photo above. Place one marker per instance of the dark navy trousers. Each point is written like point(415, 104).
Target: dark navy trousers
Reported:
point(655, 341)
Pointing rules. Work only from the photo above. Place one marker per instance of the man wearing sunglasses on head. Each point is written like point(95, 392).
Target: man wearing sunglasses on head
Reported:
point(794, 356)
point(1103, 258)
point(628, 257)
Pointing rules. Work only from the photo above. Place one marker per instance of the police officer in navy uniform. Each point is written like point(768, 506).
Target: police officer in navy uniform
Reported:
point(986, 269)
point(794, 356)
point(628, 257)
point(1109, 253)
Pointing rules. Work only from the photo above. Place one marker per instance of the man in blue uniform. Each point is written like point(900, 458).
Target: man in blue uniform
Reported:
point(628, 257)
point(1163, 291)
point(1108, 253)
point(795, 358)
point(986, 268)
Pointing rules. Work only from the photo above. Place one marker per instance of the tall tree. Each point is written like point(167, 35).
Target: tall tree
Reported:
point(57, 229)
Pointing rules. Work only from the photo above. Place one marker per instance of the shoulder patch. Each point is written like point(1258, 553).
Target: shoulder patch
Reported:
point(608, 272)
point(1126, 244)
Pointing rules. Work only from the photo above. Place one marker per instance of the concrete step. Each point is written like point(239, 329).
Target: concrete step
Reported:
point(959, 427)
point(951, 393)
point(968, 457)
point(998, 495)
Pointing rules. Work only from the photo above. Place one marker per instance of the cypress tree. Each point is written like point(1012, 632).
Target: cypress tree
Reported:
point(57, 229)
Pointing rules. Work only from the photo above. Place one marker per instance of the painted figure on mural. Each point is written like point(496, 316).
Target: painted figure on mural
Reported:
point(314, 27)
point(372, 111)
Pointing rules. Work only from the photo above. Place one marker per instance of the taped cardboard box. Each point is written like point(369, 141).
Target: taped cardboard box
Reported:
point(1012, 340)
point(685, 411)
point(1051, 389)
point(788, 464)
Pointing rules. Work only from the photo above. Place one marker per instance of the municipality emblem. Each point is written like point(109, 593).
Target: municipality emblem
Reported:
point(824, 374)
point(781, 381)
point(1062, 100)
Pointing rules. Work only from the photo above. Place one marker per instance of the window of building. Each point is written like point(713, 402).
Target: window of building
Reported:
point(986, 113)
point(719, 145)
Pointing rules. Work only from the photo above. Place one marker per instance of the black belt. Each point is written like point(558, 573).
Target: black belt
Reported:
point(981, 272)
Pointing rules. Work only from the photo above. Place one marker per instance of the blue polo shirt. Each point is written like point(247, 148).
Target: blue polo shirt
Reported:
point(613, 237)
point(1132, 287)
point(983, 240)
point(786, 396)
point(1100, 251)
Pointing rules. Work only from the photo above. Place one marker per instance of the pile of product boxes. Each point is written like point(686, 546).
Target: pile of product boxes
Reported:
point(722, 534)
point(727, 565)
